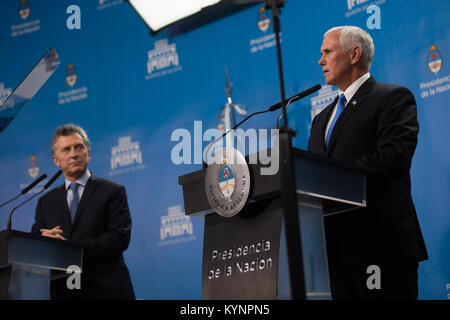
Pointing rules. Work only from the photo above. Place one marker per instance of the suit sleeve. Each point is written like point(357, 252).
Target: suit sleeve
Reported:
point(39, 222)
point(309, 148)
point(397, 132)
point(116, 237)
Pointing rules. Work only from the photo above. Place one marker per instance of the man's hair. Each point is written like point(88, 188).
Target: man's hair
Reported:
point(68, 130)
point(351, 36)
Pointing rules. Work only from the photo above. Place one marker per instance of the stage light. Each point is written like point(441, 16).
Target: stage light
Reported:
point(158, 14)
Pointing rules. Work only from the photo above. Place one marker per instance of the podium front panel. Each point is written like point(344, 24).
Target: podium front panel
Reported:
point(29, 251)
point(27, 261)
point(240, 254)
point(326, 181)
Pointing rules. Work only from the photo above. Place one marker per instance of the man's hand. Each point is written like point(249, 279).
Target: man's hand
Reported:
point(56, 233)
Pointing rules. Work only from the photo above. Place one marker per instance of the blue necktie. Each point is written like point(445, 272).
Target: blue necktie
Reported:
point(340, 107)
point(74, 204)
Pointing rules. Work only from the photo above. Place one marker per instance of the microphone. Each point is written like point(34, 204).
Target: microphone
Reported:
point(33, 184)
point(272, 109)
point(28, 188)
point(296, 97)
point(48, 184)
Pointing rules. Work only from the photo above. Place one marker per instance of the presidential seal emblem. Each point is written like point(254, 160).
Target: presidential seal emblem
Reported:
point(33, 167)
point(71, 75)
point(263, 20)
point(434, 59)
point(227, 182)
point(24, 9)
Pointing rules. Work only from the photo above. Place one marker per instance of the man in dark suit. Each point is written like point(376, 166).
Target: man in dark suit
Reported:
point(373, 253)
point(92, 212)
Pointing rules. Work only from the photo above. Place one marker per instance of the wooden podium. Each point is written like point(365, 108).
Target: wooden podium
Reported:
point(246, 256)
point(28, 263)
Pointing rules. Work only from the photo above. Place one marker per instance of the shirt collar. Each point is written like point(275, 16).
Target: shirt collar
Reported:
point(82, 181)
point(351, 90)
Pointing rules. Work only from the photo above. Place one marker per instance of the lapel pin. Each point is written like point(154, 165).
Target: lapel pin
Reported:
point(353, 102)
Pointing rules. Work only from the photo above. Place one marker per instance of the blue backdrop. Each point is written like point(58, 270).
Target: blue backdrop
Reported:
point(130, 91)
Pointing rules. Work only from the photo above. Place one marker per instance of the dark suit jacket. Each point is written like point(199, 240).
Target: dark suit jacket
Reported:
point(376, 131)
point(102, 225)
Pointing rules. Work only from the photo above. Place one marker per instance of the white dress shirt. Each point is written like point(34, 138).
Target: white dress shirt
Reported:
point(81, 184)
point(349, 93)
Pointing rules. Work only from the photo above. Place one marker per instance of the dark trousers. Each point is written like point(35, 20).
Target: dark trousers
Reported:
point(384, 280)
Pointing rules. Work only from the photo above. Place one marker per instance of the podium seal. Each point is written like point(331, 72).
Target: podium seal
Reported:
point(227, 182)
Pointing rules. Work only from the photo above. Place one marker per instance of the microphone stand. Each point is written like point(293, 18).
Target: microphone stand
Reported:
point(288, 191)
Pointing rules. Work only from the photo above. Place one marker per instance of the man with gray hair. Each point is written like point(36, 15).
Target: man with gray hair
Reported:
point(374, 126)
point(90, 211)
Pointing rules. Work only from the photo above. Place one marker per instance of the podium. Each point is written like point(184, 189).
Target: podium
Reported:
point(28, 263)
point(246, 256)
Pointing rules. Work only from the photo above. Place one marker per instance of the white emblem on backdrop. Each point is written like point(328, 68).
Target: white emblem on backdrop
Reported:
point(440, 83)
point(263, 23)
point(176, 227)
point(74, 94)
point(33, 170)
point(33, 167)
point(24, 11)
point(162, 60)
point(325, 96)
point(126, 156)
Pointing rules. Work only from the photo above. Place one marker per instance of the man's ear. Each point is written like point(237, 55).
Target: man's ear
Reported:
point(355, 54)
point(56, 162)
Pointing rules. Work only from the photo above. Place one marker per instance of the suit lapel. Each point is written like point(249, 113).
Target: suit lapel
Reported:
point(87, 193)
point(352, 106)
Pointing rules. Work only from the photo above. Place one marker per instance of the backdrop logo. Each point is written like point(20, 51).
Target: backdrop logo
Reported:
point(268, 39)
point(439, 83)
point(24, 27)
point(162, 60)
point(176, 227)
point(126, 156)
point(71, 75)
point(263, 20)
point(434, 59)
point(24, 9)
point(325, 96)
point(74, 94)
point(33, 167)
